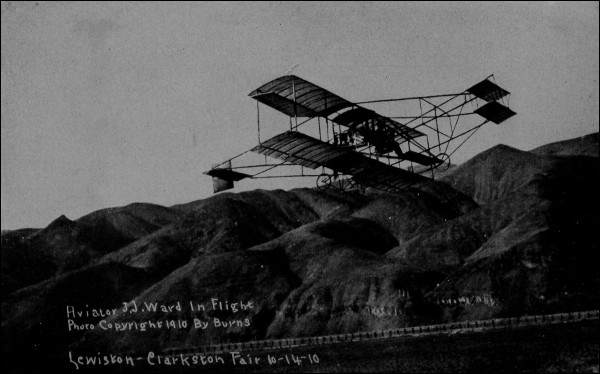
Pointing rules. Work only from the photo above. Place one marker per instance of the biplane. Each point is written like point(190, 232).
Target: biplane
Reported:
point(349, 146)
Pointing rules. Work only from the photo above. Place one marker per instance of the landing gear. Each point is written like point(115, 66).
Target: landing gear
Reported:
point(344, 184)
point(324, 181)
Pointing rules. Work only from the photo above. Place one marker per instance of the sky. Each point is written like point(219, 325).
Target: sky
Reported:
point(106, 104)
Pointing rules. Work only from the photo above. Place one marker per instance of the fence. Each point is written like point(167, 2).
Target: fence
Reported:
point(497, 323)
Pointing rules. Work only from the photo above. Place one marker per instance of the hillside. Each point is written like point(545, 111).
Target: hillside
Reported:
point(588, 145)
point(508, 232)
point(31, 255)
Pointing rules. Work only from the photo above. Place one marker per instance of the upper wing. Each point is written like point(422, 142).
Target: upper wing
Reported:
point(294, 96)
point(297, 97)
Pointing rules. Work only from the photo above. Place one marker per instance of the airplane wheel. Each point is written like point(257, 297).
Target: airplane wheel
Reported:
point(350, 185)
point(323, 181)
point(346, 184)
point(445, 165)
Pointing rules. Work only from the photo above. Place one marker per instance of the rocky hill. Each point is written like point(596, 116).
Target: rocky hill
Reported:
point(508, 232)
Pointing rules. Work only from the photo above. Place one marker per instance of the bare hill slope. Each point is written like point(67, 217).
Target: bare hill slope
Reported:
point(506, 233)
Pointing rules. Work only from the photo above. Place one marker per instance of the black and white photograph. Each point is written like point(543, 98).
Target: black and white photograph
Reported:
point(290, 187)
